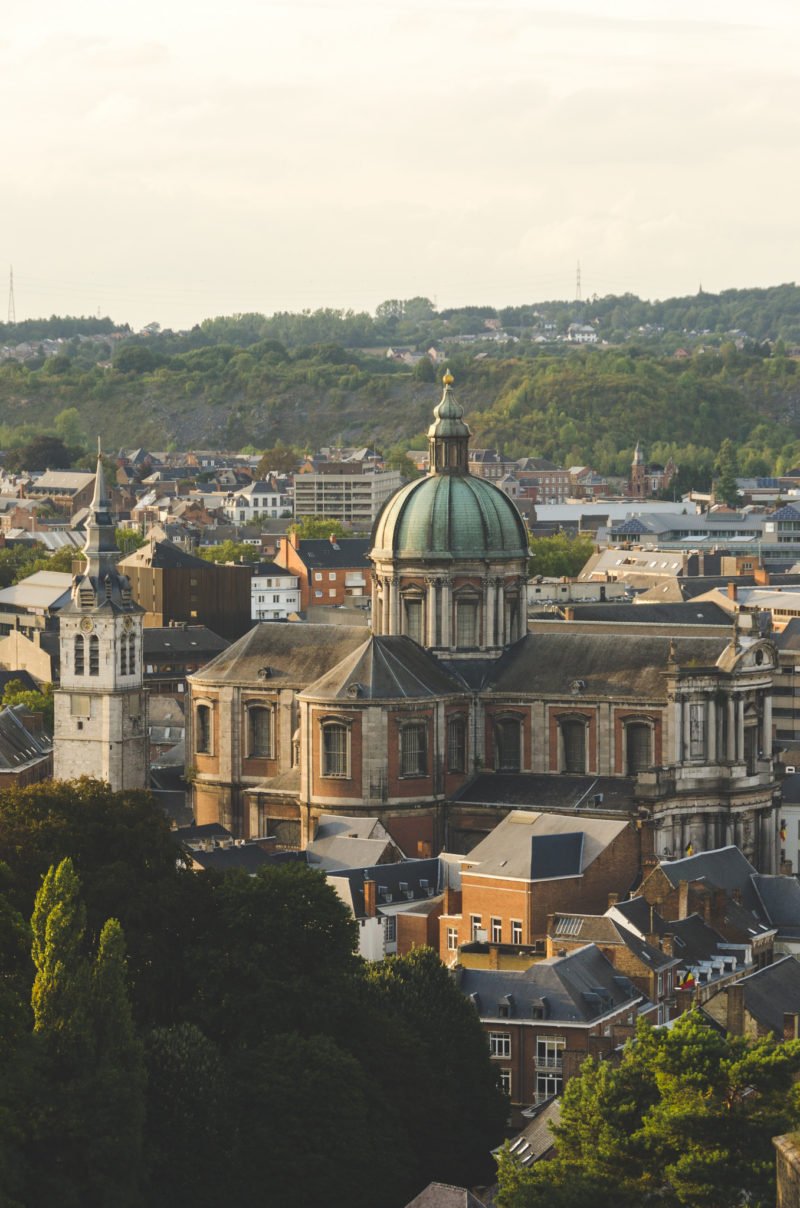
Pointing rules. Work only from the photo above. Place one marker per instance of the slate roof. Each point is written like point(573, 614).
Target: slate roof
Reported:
point(693, 940)
point(349, 883)
point(536, 1139)
point(667, 613)
point(624, 665)
point(293, 655)
point(18, 746)
point(443, 1195)
point(773, 991)
point(514, 848)
point(723, 868)
point(193, 641)
point(327, 555)
point(600, 929)
point(337, 852)
point(163, 554)
point(248, 857)
point(46, 589)
point(780, 902)
point(386, 668)
point(556, 791)
point(576, 988)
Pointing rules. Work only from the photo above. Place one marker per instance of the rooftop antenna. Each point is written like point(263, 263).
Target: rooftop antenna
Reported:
point(12, 313)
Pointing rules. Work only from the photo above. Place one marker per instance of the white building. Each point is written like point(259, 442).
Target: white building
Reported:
point(262, 499)
point(354, 499)
point(274, 593)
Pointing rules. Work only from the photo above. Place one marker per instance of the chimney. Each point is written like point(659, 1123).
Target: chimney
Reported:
point(708, 905)
point(494, 957)
point(569, 613)
point(370, 908)
point(666, 945)
point(683, 899)
point(761, 576)
point(295, 539)
point(735, 1021)
point(332, 538)
point(731, 591)
point(613, 898)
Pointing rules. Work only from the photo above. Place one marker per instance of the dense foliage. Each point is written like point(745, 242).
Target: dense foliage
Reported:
point(686, 1120)
point(678, 375)
point(192, 1038)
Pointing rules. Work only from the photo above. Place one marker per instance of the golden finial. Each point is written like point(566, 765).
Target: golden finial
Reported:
point(448, 378)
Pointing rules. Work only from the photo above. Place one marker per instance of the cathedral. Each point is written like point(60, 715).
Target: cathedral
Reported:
point(449, 712)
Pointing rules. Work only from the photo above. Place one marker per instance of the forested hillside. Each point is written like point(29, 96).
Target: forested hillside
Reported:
point(314, 378)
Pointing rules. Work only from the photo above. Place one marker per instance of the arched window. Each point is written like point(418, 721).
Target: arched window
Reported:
point(80, 654)
point(638, 747)
point(336, 749)
point(456, 744)
point(131, 654)
point(507, 744)
point(414, 749)
point(123, 654)
point(202, 737)
point(573, 738)
point(259, 732)
point(94, 654)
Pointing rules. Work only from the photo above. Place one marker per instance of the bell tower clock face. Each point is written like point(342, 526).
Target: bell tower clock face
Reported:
point(127, 623)
point(87, 625)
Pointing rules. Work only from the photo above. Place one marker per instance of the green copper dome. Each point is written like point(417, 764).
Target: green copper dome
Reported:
point(449, 515)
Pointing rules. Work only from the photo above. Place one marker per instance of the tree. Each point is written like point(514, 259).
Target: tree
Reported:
point(88, 1126)
point(315, 528)
point(685, 1119)
point(725, 489)
point(559, 555)
point(35, 701)
point(69, 427)
point(230, 551)
point(397, 459)
point(41, 453)
point(280, 459)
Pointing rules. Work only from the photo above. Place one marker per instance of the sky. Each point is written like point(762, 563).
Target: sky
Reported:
point(170, 161)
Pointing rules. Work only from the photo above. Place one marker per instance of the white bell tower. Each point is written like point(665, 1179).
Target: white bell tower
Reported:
point(100, 707)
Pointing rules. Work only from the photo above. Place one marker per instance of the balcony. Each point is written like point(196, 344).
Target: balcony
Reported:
point(549, 1063)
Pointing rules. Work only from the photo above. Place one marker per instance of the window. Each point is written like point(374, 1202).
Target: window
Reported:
point(390, 931)
point(573, 736)
point(80, 704)
point(317, 576)
point(414, 749)
point(697, 731)
point(548, 1085)
point(276, 599)
point(456, 745)
point(94, 654)
point(332, 576)
point(466, 624)
point(131, 654)
point(497, 931)
point(79, 654)
point(202, 742)
point(507, 745)
point(500, 1044)
point(259, 732)
point(505, 1082)
point(413, 610)
point(638, 747)
point(452, 939)
point(332, 593)
point(516, 931)
point(475, 927)
point(549, 1052)
point(335, 749)
point(123, 654)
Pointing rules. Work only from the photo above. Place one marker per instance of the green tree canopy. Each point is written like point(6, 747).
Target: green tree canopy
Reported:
point(559, 555)
point(310, 528)
point(686, 1119)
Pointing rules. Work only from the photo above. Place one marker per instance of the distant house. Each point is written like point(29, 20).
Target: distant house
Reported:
point(331, 572)
point(766, 1003)
point(274, 592)
point(396, 905)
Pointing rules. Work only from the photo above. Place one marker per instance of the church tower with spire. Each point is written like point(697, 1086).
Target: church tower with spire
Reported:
point(100, 709)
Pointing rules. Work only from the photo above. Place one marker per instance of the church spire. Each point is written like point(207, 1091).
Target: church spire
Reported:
point(101, 544)
point(448, 435)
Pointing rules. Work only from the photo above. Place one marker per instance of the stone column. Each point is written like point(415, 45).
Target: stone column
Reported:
point(678, 714)
point(711, 727)
point(502, 636)
point(687, 730)
point(394, 623)
point(766, 726)
point(447, 609)
point(490, 616)
point(740, 728)
point(431, 614)
point(731, 752)
point(483, 635)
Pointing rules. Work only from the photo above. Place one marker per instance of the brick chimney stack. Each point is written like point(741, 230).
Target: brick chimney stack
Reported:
point(370, 898)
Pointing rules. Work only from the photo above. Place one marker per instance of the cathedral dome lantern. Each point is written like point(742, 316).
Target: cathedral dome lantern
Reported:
point(450, 551)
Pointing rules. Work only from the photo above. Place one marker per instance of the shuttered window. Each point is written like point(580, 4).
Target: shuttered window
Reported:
point(574, 738)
